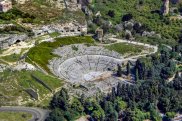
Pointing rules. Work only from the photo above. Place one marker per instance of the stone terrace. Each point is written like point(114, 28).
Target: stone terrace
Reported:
point(92, 67)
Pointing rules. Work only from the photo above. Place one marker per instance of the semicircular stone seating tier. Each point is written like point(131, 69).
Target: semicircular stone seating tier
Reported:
point(80, 63)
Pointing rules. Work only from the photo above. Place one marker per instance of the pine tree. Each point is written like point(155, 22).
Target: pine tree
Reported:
point(113, 95)
point(136, 75)
point(119, 89)
point(128, 68)
point(119, 71)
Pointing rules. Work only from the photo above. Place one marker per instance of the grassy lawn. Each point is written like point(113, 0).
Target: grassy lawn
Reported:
point(42, 53)
point(54, 34)
point(125, 48)
point(14, 83)
point(14, 116)
point(11, 58)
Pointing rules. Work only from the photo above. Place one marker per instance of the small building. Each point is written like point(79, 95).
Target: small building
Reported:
point(5, 5)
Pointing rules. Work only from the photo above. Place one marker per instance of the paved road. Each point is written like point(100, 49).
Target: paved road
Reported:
point(37, 114)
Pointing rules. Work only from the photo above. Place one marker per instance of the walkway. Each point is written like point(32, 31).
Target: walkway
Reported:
point(37, 114)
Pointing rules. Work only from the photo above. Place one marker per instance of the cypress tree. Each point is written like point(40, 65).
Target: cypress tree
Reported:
point(136, 75)
point(128, 68)
point(119, 89)
point(119, 71)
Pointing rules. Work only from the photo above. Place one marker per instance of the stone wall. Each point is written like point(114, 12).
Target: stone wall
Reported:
point(10, 39)
point(67, 29)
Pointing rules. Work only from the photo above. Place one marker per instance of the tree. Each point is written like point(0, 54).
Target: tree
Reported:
point(137, 27)
point(82, 99)
point(177, 83)
point(170, 115)
point(154, 115)
point(56, 115)
point(138, 115)
point(97, 112)
point(119, 89)
point(112, 95)
point(166, 72)
point(164, 104)
point(136, 75)
point(128, 68)
point(61, 100)
point(127, 17)
point(119, 71)
point(110, 113)
point(111, 13)
point(119, 104)
point(77, 106)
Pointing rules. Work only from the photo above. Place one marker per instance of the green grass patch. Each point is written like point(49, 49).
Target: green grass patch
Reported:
point(124, 48)
point(42, 53)
point(15, 116)
point(54, 34)
point(13, 84)
point(11, 58)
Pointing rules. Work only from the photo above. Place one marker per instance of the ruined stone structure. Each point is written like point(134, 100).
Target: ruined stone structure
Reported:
point(165, 7)
point(66, 29)
point(5, 5)
point(8, 40)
